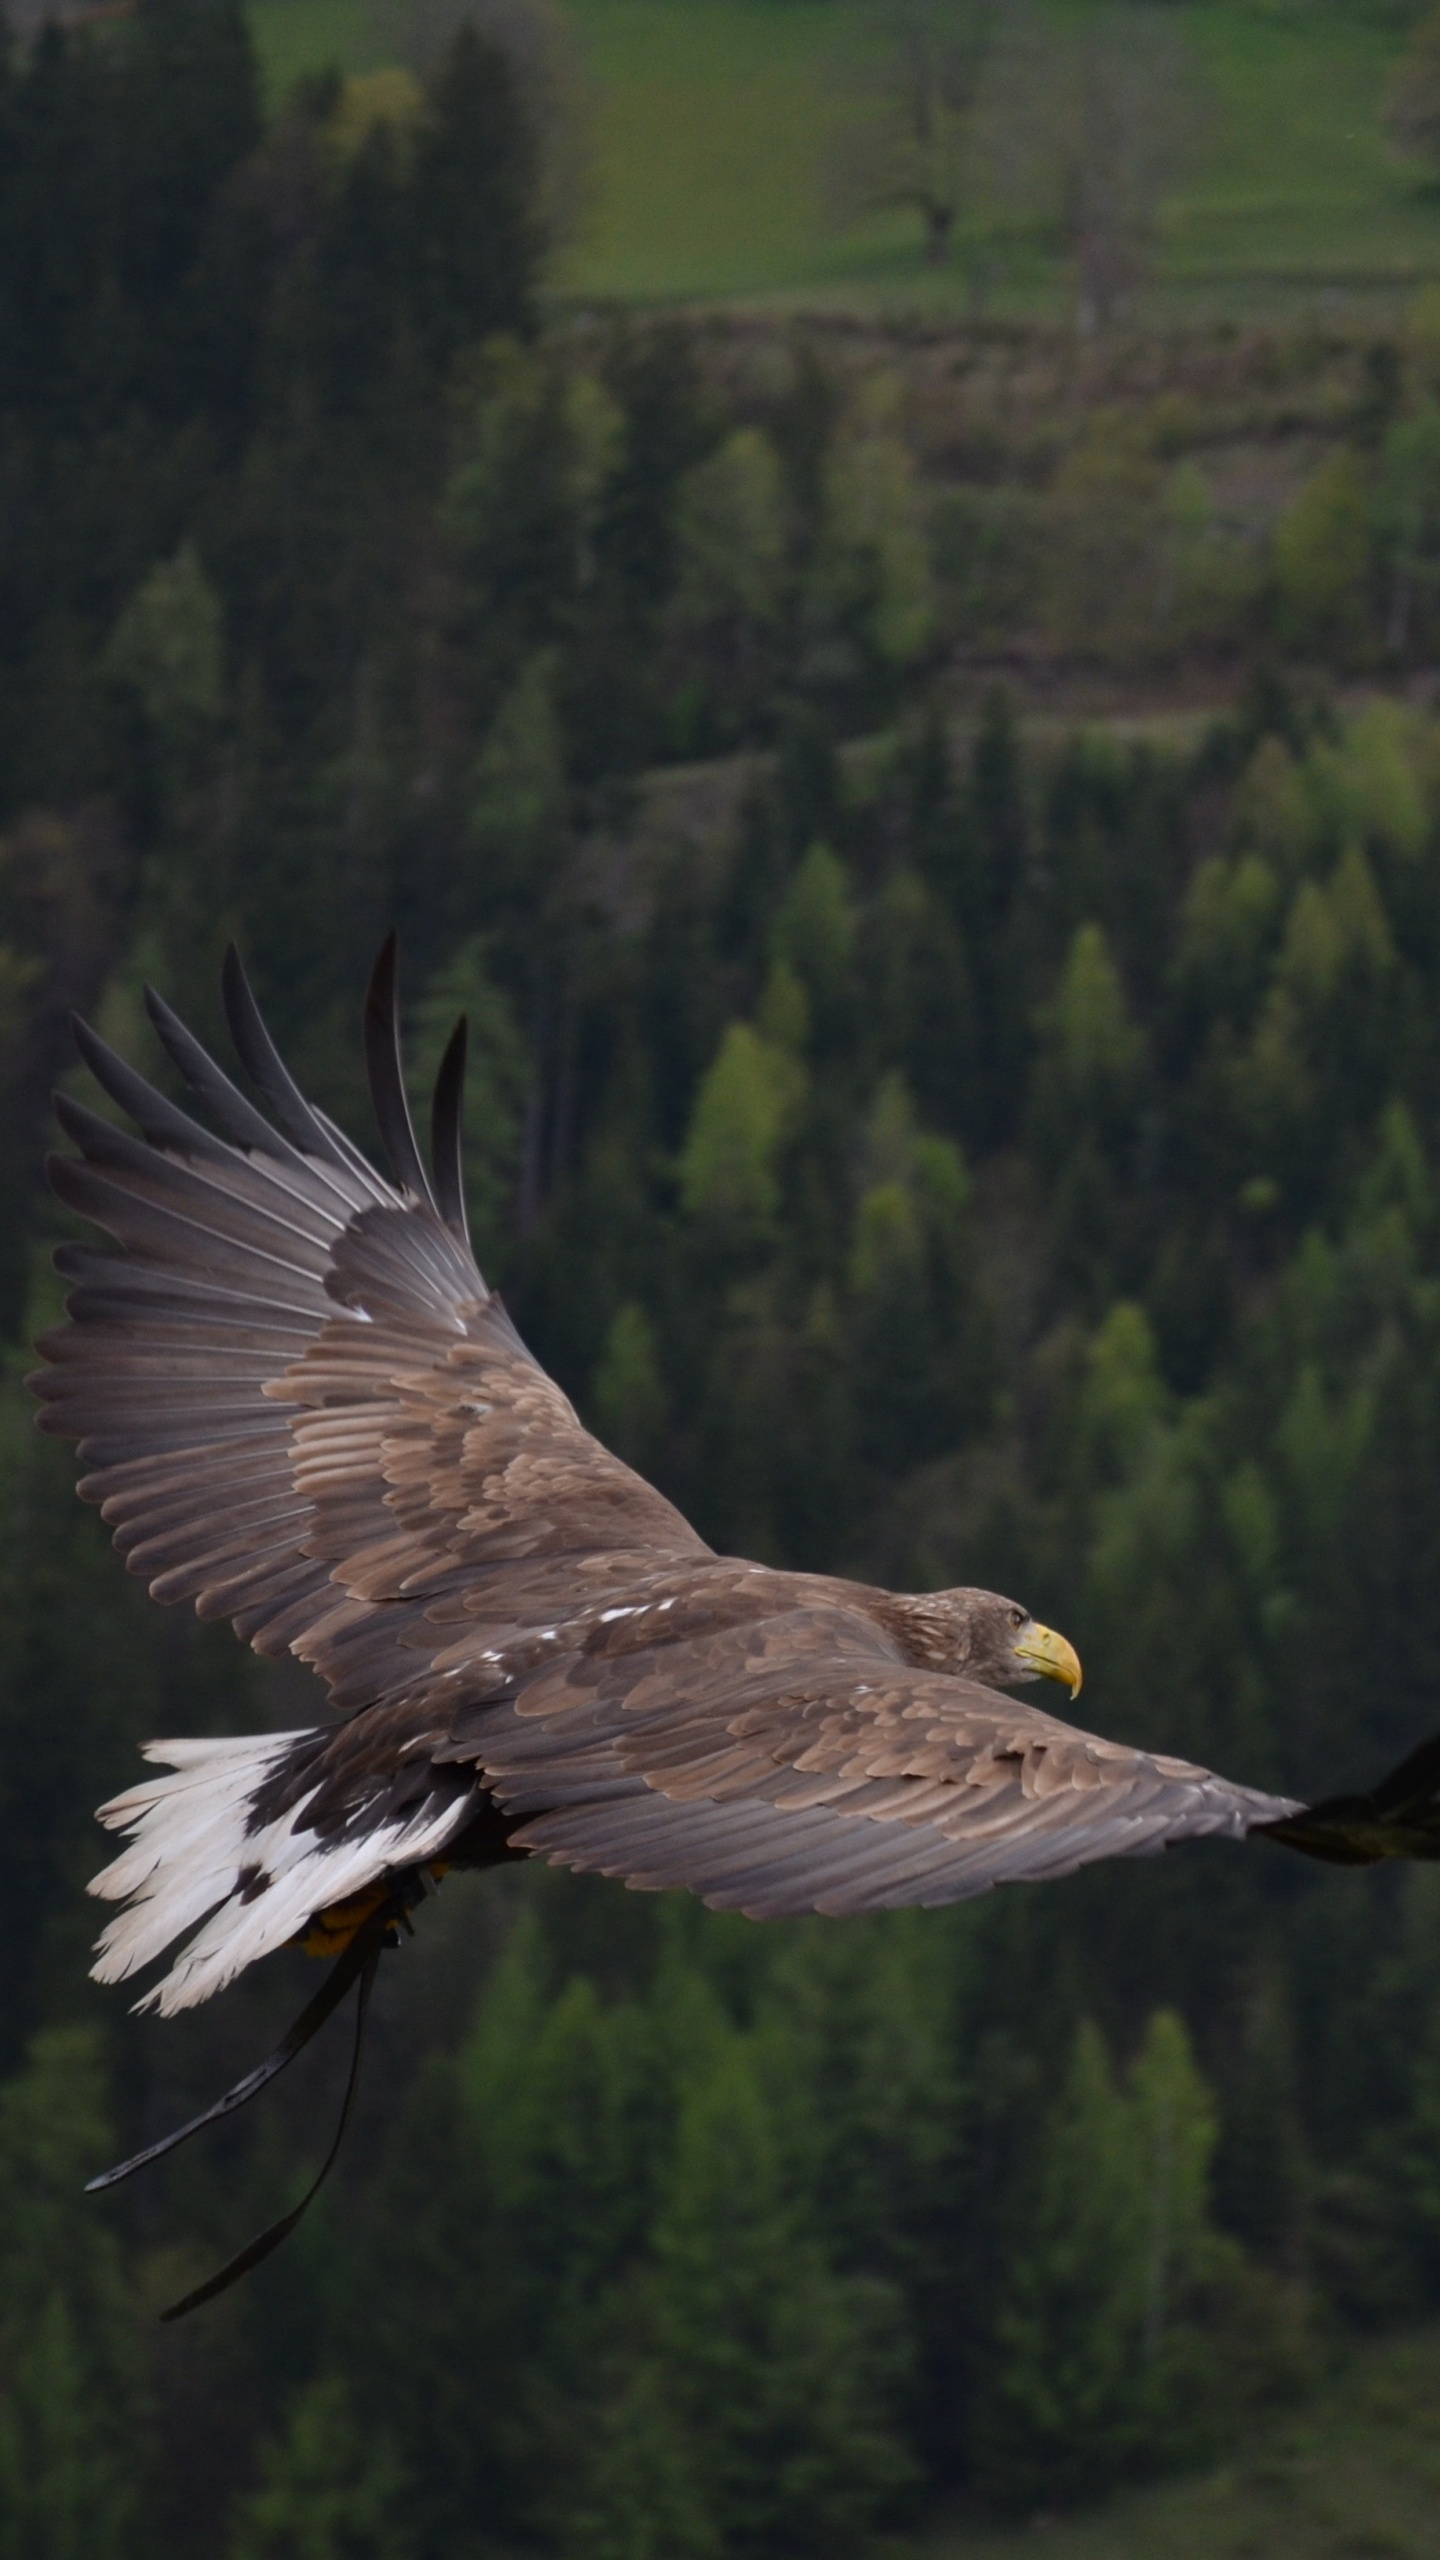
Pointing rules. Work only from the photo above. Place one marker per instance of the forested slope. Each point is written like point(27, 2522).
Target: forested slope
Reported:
point(929, 1153)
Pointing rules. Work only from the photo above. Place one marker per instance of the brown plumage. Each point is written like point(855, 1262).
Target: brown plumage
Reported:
point(300, 1408)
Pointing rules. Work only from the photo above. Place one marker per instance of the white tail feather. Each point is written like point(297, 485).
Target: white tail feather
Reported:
point(191, 1844)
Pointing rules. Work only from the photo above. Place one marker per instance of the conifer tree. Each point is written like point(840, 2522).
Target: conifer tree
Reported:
point(474, 236)
point(765, 2377)
point(329, 2489)
point(857, 2035)
point(191, 108)
point(1098, 2366)
point(73, 2398)
point(743, 1113)
point(917, 1352)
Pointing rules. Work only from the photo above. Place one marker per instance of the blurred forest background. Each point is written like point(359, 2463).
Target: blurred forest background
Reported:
point(937, 1136)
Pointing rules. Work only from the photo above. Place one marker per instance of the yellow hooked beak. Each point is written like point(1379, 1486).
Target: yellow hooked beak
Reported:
point(1040, 1649)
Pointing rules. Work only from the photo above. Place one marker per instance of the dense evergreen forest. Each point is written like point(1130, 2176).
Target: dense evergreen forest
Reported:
point(931, 1151)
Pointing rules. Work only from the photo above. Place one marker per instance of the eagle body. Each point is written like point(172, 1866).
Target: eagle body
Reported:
point(300, 1407)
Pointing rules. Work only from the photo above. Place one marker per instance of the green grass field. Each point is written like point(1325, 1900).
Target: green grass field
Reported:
point(1356, 2477)
point(713, 124)
point(1296, 183)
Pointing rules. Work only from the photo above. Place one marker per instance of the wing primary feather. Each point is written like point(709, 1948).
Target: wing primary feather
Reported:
point(311, 1128)
point(162, 1122)
point(360, 1165)
point(239, 1120)
point(266, 1068)
point(162, 1177)
point(387, 1075)
point(447, 1152)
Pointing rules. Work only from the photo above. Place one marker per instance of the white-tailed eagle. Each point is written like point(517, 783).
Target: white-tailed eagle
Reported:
point(299, 1407)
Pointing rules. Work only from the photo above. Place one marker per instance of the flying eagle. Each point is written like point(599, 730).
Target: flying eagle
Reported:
point(300, 1407)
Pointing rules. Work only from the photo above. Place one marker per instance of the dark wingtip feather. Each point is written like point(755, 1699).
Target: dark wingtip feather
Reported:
point(266, 1068)
point(447, 1152)
point(387, 1075)
point(239, 1121)
point(159, 1120)
point(79, 1123)
point(381, 994)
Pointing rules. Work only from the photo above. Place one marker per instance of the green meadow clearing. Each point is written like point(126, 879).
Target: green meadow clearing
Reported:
point(1355, 2476)
point(714, 118)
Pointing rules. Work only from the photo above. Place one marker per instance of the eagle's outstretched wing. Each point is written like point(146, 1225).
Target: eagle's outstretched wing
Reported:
point(300, 1407)
point(297, 1402)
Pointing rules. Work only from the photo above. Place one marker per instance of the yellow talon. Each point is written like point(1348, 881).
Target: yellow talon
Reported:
point(330, 1932)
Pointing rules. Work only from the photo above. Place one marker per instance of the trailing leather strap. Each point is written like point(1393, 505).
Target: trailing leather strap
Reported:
point(251, 2255)
point(311, 2019)
point(359, 1962)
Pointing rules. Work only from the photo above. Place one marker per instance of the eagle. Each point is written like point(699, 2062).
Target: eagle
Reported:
point(300, 1407)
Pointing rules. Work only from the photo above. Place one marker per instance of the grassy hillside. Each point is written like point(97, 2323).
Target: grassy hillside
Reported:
point(1355, 2478)
point(715, 114)
point(1297, 186)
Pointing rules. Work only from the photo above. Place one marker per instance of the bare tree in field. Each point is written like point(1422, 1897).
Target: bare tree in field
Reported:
point(914, 140)
point(1088, 132)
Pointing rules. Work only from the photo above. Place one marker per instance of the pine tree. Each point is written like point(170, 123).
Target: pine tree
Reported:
point(514, 2195)
point(191, 104)
point(1321, 557)
point(729, 1165)
point(918, 1346)
point(975, 857)
point(764, 2375)
point(857, 2034)
point(1098, 2367)
point(474, 237)
point(640, 2495)
point(628, 1391)
point(329, 2488)
point(73, 2394)
point(80, 1683)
